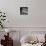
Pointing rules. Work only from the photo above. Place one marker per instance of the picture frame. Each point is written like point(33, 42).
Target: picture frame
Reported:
point(23, 10)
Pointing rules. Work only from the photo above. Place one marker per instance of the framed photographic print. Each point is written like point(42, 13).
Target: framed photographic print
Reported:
point(23, 10)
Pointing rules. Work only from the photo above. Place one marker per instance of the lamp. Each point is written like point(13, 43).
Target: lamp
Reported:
point(7, 31)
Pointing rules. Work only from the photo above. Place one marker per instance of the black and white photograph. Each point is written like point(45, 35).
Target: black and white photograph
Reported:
point(23, 10)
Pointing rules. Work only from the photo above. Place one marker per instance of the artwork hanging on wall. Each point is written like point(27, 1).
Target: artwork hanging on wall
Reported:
point(23, 10)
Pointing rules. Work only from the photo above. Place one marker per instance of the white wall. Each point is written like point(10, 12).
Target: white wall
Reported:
point(39, 13)
point(15, 19)
point(36, 20)
point(33, 22)
point(12, 9)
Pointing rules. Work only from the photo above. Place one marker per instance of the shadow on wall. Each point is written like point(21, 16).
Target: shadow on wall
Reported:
point(16, 43)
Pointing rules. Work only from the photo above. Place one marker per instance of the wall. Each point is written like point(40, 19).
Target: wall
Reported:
point(38, 13)
point(12, 9)
point(32, 22)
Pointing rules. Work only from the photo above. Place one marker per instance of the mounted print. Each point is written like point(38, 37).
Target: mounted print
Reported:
point(23, 10)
